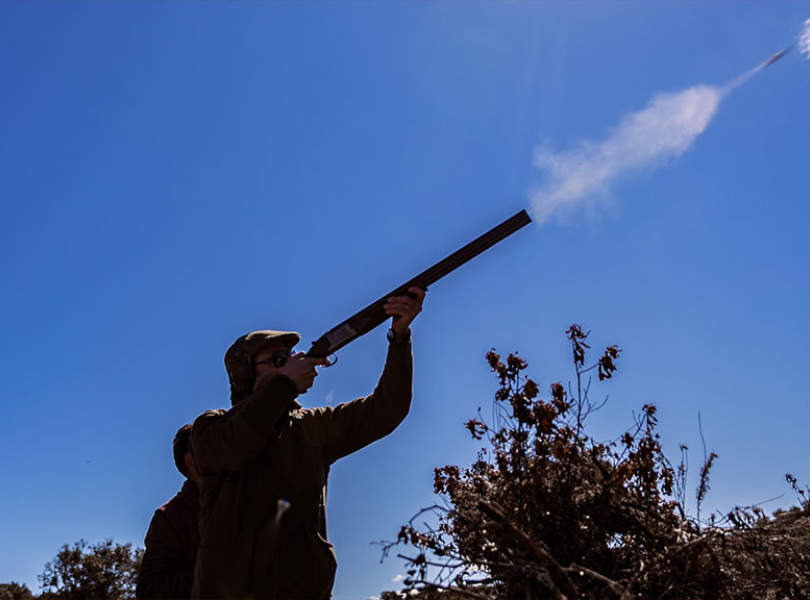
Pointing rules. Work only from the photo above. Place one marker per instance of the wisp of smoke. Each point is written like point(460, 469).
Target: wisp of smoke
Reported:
point(664, 129)
point(804, 39)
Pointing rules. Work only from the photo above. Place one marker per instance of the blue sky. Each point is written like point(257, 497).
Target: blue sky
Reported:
point(175, 174)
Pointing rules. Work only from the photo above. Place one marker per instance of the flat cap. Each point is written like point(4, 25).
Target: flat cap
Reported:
point(238, 358)
point(250, 343)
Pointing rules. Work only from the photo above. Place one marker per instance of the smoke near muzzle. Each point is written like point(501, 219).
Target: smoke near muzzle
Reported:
point(661, 131)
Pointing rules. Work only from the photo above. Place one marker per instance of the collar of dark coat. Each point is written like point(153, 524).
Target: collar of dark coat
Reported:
point(189, 496)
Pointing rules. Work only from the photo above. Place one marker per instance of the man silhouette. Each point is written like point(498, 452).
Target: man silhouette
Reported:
point(173, 537)
point(264, 463)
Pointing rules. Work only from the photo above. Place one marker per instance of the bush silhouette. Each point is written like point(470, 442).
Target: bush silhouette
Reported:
point(546, 511)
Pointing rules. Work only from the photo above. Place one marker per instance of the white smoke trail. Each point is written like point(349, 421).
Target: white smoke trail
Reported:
point(804, 39)
point(664, 129)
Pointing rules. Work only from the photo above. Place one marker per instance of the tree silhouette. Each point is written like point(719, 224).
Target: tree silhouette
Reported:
point(15, 591)
point(102, 571)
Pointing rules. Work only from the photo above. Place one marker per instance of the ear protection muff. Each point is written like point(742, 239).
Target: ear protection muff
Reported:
point(239, 367)
point(241, 376)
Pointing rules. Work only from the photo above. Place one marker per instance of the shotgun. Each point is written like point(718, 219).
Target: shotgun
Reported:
point(367, 319)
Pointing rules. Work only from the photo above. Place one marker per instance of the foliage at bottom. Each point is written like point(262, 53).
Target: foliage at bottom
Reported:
point(546, 511)
point(101, 571)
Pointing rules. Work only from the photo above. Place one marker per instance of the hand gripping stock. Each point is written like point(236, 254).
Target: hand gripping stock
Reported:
point(374, 314)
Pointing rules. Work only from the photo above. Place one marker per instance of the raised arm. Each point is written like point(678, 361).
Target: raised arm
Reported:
point(222, 440)
point(352, 425)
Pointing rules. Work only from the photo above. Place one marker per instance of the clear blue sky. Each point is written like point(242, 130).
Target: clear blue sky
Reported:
point(173, 174)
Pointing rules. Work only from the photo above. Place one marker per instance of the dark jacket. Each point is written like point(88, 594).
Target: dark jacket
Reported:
point(264, 465)
point(171, 548)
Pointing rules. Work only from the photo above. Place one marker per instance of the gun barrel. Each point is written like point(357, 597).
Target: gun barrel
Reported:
point(374, 314)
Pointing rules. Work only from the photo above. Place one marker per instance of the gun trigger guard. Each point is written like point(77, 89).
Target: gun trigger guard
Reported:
point(330, 360)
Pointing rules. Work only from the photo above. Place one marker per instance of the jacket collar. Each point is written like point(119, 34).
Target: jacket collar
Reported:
point(189, 494)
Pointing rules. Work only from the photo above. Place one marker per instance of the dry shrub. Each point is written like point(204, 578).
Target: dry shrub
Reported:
point(546, 511)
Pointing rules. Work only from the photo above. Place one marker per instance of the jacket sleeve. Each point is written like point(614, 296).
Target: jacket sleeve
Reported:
point(163, 573)
point(222, 440)
point(352, 425)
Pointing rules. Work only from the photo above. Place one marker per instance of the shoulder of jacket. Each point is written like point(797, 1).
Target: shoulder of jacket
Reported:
point(304, 413)
point(312, 415)
point(308, 423)
point(209, 414)
point(204, 419)
point(159, 524)
point(323, 415)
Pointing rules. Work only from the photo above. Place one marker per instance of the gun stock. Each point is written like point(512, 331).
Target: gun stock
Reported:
point(367, 319)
